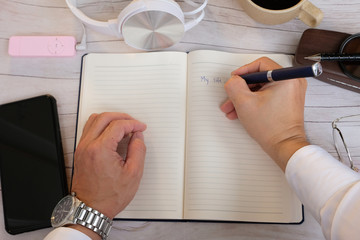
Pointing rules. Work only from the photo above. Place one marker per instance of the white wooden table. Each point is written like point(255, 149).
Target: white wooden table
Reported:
point(226, 27)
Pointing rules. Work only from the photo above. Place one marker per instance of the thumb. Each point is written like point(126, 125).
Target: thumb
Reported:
point(236, 87)
point(136, 153)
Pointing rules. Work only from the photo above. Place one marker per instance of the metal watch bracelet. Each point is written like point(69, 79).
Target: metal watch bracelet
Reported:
point(93, 220)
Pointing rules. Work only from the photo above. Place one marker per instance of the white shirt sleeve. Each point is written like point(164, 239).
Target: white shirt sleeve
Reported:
point(65, 233)
point(329, 189)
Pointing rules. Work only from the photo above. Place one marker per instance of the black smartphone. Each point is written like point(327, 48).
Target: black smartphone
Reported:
point(32, 169)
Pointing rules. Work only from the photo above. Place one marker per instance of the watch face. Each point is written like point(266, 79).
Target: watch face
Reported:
point(62, 211)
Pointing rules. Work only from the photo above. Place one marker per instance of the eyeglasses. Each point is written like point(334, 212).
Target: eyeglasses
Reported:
point(348, 127)
point(351, 45)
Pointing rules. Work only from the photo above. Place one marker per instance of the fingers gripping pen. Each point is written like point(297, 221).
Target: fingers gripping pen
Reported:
point(283, 74)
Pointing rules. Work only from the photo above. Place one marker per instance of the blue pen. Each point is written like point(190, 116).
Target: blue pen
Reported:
point(283, 74)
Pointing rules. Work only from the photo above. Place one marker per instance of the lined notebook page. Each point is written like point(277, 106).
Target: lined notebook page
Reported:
point(151, 87)
point(228, 176)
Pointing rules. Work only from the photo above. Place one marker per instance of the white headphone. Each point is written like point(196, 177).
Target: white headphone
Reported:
point(146, 24)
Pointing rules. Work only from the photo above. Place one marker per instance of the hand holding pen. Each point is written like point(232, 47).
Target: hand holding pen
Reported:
point(283, 74)
point(273, 115)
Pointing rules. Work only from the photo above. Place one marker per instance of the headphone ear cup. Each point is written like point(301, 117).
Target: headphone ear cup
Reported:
point(151, 30)
point(157, 24)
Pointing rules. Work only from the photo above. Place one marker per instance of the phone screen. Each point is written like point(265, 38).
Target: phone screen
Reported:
point(32, 170)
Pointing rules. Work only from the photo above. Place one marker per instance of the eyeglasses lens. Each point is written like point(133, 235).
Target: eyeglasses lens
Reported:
point(352, 67)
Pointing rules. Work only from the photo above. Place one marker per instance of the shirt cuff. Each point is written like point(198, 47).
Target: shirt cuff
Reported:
point(66, 233)
point(316, 176)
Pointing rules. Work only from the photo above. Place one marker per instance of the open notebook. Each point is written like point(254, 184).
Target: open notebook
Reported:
point(199, 165)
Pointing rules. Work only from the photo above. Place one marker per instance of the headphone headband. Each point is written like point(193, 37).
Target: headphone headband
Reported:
point(108, 28)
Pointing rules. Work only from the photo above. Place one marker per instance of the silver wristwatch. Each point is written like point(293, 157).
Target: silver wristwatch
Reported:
point(71, 210)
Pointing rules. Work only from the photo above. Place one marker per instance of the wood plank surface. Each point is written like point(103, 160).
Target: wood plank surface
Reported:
point(226, 27)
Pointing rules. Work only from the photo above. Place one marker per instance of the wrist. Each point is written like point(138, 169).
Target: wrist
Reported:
point(102, 206)
point(282, 151)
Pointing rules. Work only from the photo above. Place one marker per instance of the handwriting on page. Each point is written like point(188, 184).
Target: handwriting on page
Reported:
point(213, 80)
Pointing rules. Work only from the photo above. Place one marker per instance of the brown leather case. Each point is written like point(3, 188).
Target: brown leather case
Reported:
point(315, 41)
